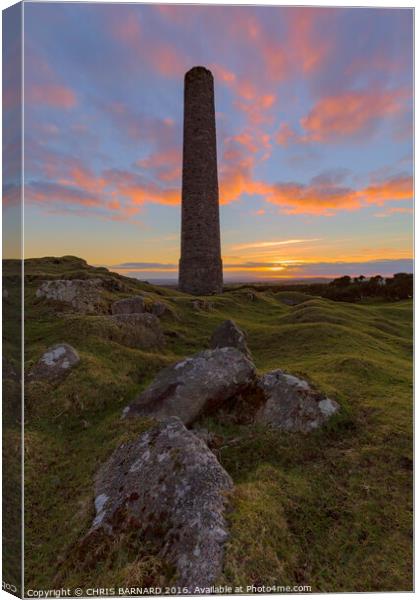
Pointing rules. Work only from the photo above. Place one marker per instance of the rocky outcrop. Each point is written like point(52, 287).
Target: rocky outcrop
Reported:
point(138, 330)
point(81, 294)
point(292, 404)
point(55, 363)
point(128, 306)
point(169, 487)
point(195, 386)
point(229, 335)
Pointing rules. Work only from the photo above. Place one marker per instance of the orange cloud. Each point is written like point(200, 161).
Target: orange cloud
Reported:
point(252, 96)
point(165, 164)
point(395, 188)
point(285, 135)
point(309, 47)
point(49, 194)
point(138, 191)
point(83, 178)
point(56, 96)
point(122, 193)
point(312, 198)
point(350, 113)
point(325, 197)
point(168, 61)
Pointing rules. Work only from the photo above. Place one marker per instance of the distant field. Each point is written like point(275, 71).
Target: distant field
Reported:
point(331, 509)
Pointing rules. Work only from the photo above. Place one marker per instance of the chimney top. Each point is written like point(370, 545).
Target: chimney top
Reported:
point(198, 71)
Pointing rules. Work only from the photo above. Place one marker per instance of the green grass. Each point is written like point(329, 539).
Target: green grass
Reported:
point(331, 509)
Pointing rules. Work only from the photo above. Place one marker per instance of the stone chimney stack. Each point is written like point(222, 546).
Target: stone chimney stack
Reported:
point(200, 266)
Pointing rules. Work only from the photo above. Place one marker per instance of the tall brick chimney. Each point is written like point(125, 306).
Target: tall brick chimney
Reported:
point(200, 266)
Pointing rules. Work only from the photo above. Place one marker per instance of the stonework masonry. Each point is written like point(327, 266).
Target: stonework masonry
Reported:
point(200, 266)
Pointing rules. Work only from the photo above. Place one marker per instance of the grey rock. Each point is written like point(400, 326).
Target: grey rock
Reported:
point(169, 487)
point(228, 334)
point(128, 306)
point(160, 309)
point(202, 305)
point(211, 439)
point(139, 330)
point(195, 386)
point(292, 404)
point(82, 294)
point(55, 363)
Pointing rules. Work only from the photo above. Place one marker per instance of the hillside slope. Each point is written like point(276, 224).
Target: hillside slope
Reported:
point(331, 509)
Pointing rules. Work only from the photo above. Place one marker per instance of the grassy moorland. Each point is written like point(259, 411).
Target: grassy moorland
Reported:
point(331, 509)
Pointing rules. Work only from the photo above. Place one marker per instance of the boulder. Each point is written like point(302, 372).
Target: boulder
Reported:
point(82, 294)
point(195, 386)
point(138, 330)
point(211, 439)
point(229, 335)
point(55, 363)
point(292, 404)
point(202, 305)
point(167, 487)
point(128, 306)
point(160, 309)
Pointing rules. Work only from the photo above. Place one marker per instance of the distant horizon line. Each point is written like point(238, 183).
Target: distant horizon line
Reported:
point(258, 271)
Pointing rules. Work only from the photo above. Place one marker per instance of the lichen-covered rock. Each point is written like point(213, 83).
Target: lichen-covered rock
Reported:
point(169, 487)
point(228, 334)
point(211, 439)
point(138, 330)
point(195, 386)
point(128, 306)
point(55, 363)
point(82, 294)
point(292, 404)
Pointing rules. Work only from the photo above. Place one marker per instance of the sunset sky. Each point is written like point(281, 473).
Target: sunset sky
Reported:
point(314, 125)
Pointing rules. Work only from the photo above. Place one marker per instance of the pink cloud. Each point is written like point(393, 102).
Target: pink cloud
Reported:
point(165, 164)
point(145, 49)
point(326, 196)
point(345, 115)
point(56, 96)
point(350, 113)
